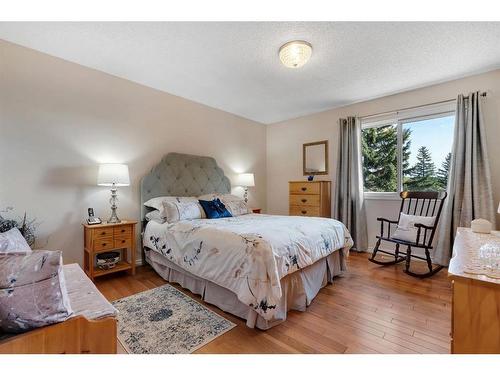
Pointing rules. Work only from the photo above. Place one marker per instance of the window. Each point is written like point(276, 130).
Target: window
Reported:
point(409, 150)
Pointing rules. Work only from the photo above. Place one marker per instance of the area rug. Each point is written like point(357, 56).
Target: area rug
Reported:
point(166, 321)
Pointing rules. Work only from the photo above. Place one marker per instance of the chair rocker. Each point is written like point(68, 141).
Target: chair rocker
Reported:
point(427, 203)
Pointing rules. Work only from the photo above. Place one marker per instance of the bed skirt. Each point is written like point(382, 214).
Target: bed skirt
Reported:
point(299, 288)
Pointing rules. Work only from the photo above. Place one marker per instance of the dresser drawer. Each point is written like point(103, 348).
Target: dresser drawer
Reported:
point(304, 188)
point(304, 200)
point(122, 242)
point(123, 231)
point(103, 243)
point(103, 232)
point(304, 211)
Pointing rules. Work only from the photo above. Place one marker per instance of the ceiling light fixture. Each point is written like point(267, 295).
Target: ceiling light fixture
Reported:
point(295, 54)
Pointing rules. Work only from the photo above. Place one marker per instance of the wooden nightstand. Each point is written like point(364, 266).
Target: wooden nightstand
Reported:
point(256, 210)
point(101, 238)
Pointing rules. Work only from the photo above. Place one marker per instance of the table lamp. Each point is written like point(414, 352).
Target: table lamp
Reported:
point(246, 180)
point(113, 175)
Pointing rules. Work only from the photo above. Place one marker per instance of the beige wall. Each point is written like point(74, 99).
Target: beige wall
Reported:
point(59, 120)
point(285, 139)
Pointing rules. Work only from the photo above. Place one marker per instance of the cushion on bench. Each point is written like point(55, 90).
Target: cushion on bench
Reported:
point(84, 296)
point(32, 290)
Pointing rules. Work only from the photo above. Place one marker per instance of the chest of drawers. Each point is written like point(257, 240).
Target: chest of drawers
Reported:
point(475, 318)
point(310, 198)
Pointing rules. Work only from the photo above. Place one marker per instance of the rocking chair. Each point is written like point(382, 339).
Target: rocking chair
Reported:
point(425, 203)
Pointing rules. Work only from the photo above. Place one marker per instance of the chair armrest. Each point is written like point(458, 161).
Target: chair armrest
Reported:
point(387, 220)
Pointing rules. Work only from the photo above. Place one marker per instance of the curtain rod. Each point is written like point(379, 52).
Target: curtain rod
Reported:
point(483, 94)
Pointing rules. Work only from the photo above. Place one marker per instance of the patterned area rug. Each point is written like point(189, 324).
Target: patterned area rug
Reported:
point(166, 321)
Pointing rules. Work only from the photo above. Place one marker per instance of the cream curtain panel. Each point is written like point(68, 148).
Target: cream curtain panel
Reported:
point(349, 205)
point(470, 193)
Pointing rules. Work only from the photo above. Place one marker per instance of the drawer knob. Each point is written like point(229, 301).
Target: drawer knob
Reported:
point(103, 244)
point(123, 241)
point(123, 230)
point(304, 200)
point(304, 189)
point(103, 233)
point(303, 212)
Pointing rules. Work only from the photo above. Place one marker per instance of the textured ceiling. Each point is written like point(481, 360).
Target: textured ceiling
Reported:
point(235, 66)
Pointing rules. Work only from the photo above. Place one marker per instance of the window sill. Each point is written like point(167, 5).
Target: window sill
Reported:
point(382, 196)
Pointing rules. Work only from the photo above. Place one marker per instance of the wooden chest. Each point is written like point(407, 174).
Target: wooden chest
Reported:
point(310, 198)
point(476, 297)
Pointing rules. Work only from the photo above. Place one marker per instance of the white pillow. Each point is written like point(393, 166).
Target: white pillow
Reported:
point(236, 206)
point(175, 211)
point(406, 229)
point(13, 241)
point(155, 216)
point(157, 203)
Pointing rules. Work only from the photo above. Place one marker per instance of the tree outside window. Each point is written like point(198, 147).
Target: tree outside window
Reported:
point(424, 151)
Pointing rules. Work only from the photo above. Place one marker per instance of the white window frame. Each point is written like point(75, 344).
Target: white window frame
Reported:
point(399, 118)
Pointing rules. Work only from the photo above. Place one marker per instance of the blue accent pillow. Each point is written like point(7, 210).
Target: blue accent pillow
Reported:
point(215, 209)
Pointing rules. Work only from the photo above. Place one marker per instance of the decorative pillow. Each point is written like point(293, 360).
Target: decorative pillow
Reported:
point(235, 205)
point(215, 209)
point(32, 291)
point(13, 241)
point(157, 203)
point(155, 216)
point(175, 211)
point(406, 229)
point(210, 197)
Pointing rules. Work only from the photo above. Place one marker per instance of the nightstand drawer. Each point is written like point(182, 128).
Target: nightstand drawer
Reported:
point(304, 188)
point(304, 211)
point(123, 231)
point(304, 200)
point(122, 242)
point(102, 232)
point(103, 243)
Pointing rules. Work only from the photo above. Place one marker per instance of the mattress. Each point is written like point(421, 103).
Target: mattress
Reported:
point(248, 255)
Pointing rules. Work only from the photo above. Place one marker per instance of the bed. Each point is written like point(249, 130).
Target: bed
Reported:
point(257, 267)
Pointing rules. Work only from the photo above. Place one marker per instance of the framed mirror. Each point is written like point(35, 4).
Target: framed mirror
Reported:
point(315, 158)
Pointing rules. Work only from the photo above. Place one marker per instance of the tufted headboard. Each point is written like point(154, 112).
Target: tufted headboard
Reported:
point(183, 175)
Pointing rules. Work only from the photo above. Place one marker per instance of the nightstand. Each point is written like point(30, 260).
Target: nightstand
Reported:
point(101, 238)
point(256, 210)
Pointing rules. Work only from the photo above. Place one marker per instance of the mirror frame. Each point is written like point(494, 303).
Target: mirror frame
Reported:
point(304, 146)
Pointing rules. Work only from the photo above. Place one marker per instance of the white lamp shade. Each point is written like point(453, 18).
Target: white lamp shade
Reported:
point(110, 174)
point(246, 179)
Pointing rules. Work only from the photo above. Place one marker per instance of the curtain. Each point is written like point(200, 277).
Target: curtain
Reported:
point(470, 193)
point(349, 205)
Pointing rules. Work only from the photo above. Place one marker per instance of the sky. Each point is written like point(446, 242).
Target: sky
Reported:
point(436, 134)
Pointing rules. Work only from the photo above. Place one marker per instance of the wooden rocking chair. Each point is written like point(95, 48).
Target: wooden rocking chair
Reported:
point(426, 203)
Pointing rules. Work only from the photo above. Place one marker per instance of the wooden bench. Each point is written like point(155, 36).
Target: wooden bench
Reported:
point(92, 329)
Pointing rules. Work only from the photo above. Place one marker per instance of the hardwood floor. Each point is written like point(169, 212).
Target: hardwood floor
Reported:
point(372, 309)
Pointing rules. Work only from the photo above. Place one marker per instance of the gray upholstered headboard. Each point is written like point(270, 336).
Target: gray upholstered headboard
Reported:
point(183, 175)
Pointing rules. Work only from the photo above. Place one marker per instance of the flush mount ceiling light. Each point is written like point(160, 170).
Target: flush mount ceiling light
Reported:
point(296, 53)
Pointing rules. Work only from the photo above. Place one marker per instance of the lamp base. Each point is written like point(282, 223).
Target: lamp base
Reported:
point(245, 196)
point(113, 219)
